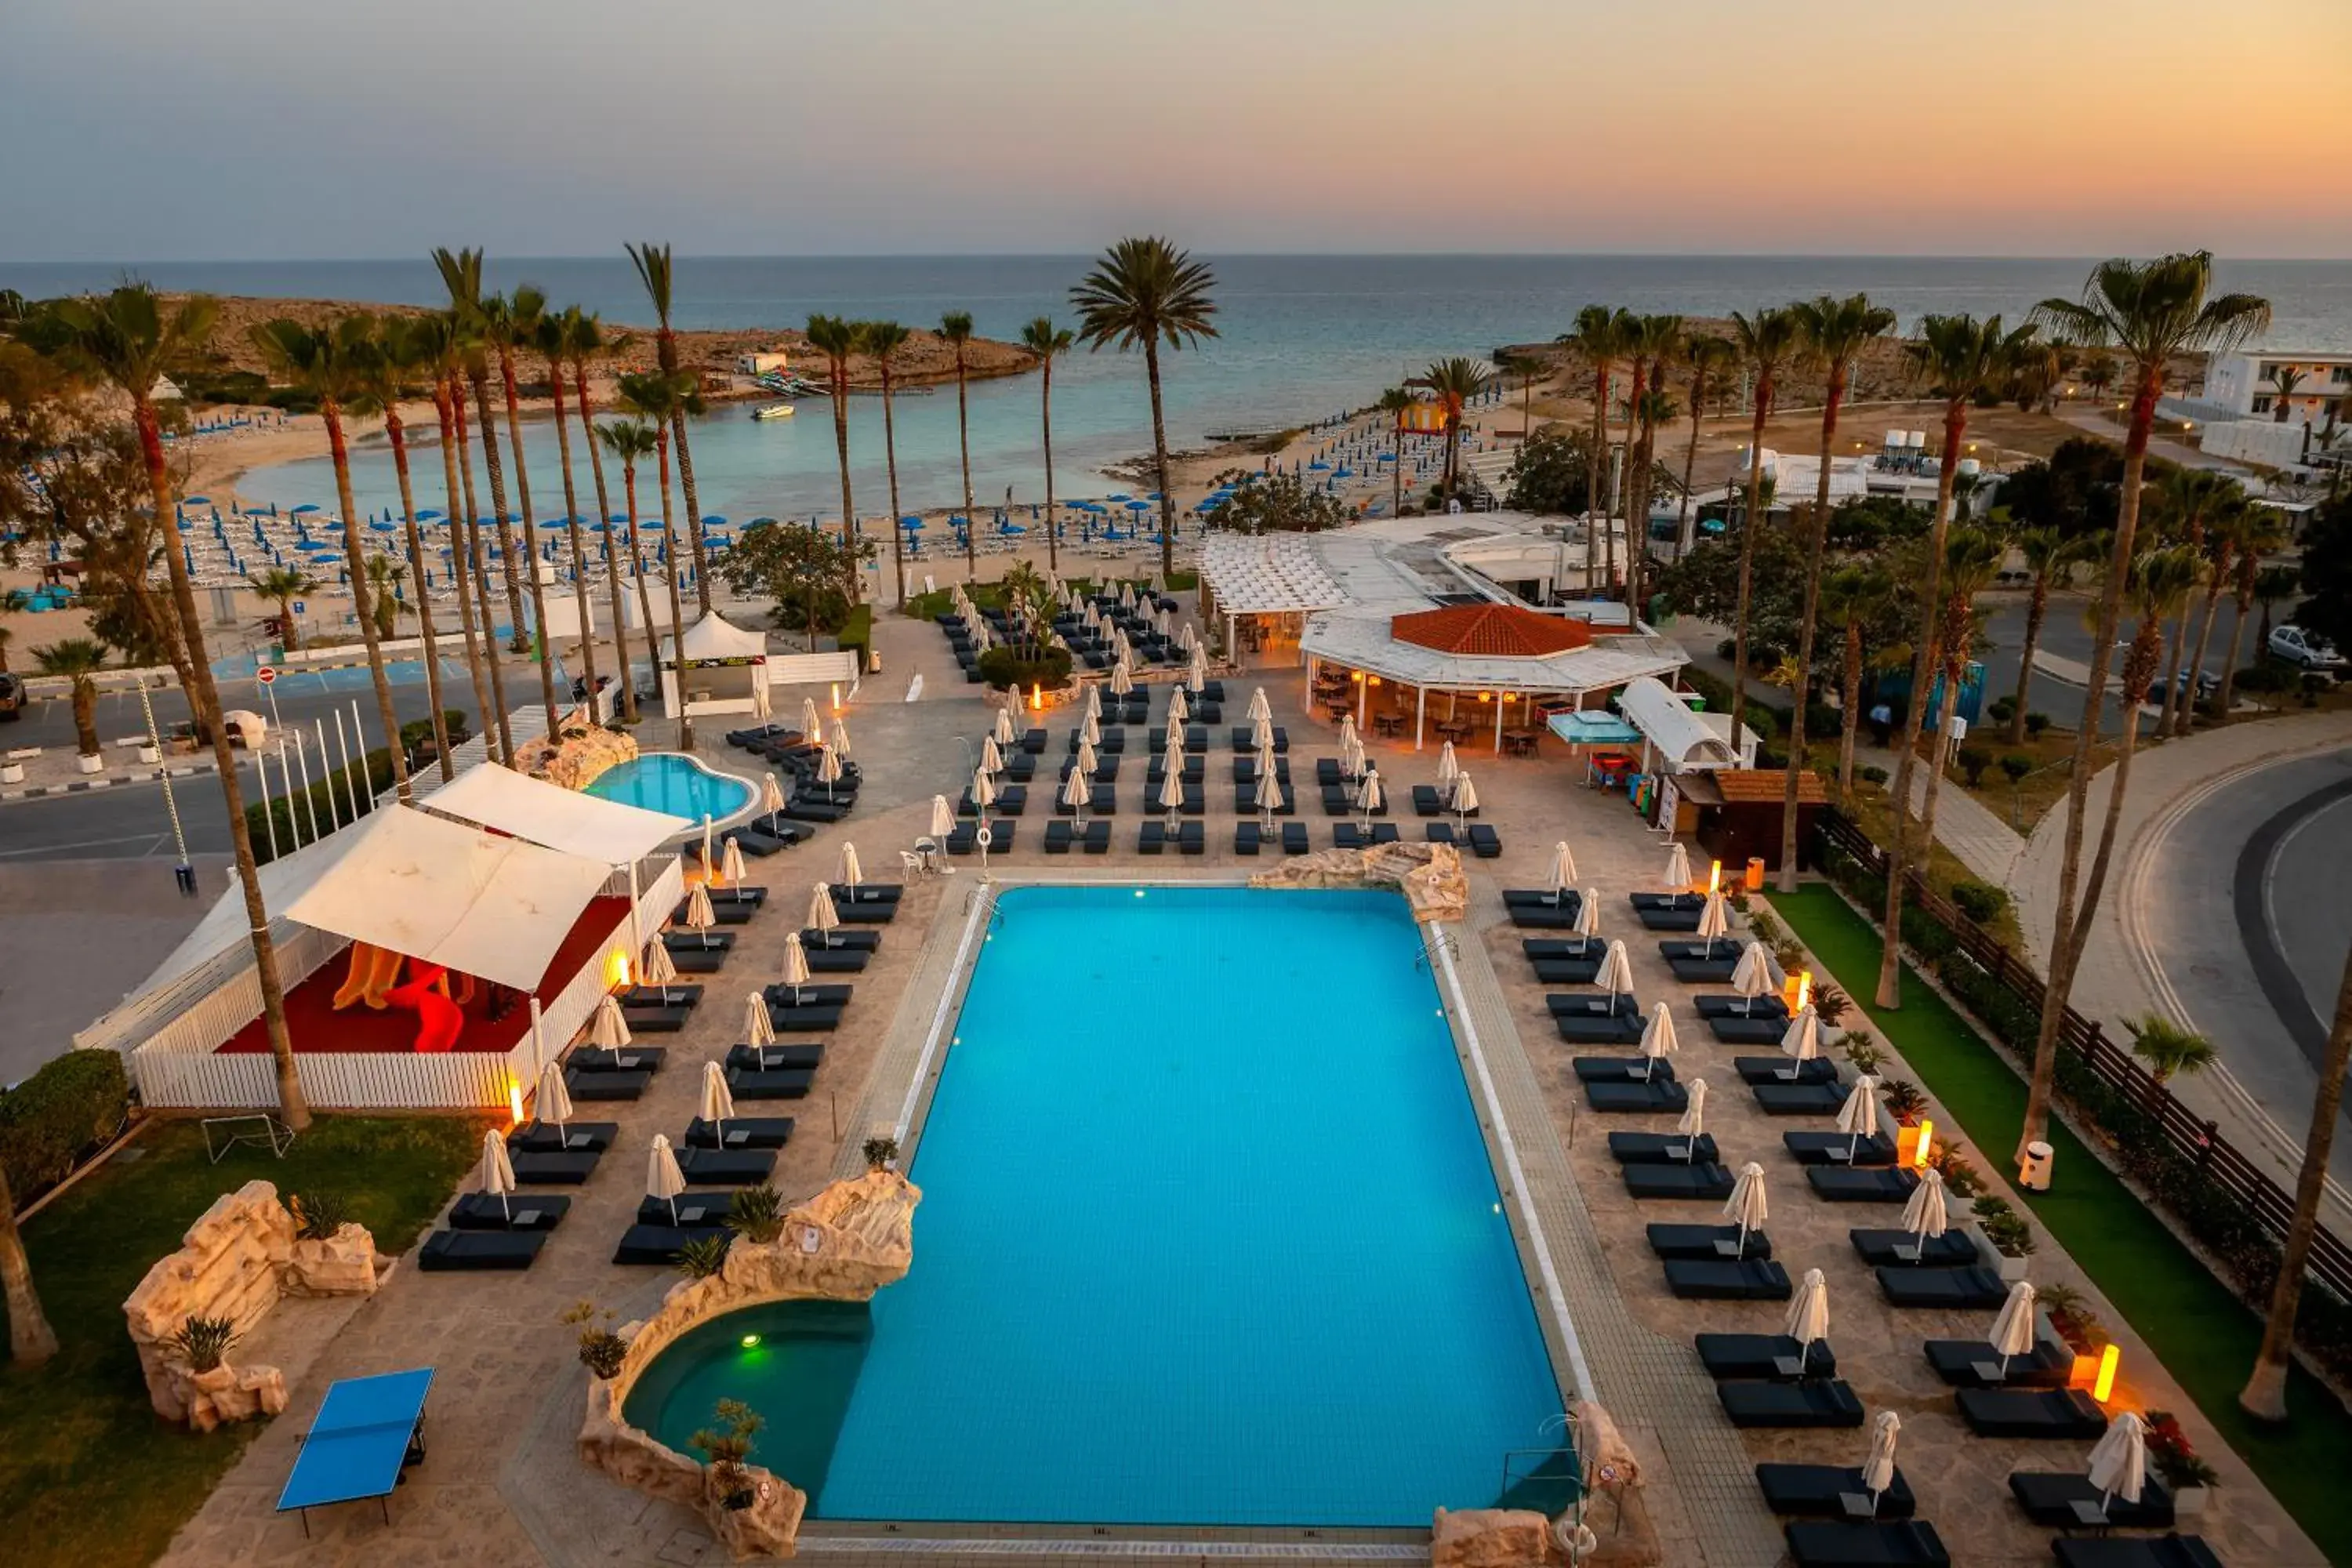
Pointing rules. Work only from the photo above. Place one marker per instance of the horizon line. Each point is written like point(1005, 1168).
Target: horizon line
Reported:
point(517, 257)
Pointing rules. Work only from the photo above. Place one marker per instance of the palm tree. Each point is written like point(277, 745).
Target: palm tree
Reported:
point(1961, 358)
point(1455, 382)
point(653, 264)
point(1656, 407)
point(2189, 499)
point(78, 660)
point(2051, 558)
point(2284, 380)
point(1657, 338)
point(632, 442)
point(31, 1340)
point(1767, 344)
point(2168, 1048)
point(1142, 292)
point(553, 340)
point(956, 328)
point(883, 340)
point(128, 339)
point(1048, 343)
point(510, 323)
point(438, 339)
point(461, 276)
point(402, 352)
point(1851, 597)
point(334, 365)
point(837, 339)
point(583, 340)
point(1835, 332)
point(2274, 587)
point(661, 401)
point(384, 578)
point(1601, 337)
point(1709, 358)
point(2264, 1395)
point(1971, 557)
point(281, 585)
point(2152, 311)
point(2264, 532)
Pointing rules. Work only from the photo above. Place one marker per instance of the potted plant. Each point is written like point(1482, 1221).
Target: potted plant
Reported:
point(600, 1350)
point(1904, 1101)
point(726, 1447)
point(2003, 1232)
point(703, 1257)
point(756, 1213)
point(2072, 1316)
point(1830, 1005)
point(2192, 1480)
point(317, 1215)
point(881, 1153)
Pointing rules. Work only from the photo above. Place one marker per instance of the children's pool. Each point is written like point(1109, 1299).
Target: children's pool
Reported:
point(1209, 1235)
point(675, 783)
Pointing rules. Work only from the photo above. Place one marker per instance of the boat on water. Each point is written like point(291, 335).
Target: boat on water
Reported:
point(773, 411)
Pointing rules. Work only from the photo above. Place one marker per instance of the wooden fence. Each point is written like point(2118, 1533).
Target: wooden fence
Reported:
point(2188, 1135)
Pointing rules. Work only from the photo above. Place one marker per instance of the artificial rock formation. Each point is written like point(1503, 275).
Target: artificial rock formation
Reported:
point(1428, 875)
point(1491, 1538)
point(843, 1245)
point(583, 754)
point(235, 1262)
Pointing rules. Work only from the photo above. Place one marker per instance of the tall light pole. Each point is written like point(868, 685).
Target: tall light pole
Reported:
point(184, 873)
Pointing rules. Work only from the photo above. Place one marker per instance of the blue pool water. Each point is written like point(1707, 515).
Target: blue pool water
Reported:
point(664, 780)
point(1208, 1236)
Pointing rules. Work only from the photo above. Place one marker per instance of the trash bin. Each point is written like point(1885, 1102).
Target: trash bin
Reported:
point(1755, 879)
point(2033, 1175)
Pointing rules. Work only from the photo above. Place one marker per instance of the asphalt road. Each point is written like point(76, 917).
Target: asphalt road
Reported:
point(2065, 634)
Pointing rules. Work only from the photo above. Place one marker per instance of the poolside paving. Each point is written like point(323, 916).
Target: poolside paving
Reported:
point(500, 1482)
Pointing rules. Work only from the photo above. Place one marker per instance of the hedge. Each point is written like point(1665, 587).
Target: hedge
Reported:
point(1004, 666)
point(293, 818)
point(857, 634)
point(76, 1101)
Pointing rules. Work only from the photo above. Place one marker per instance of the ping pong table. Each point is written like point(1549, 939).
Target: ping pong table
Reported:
point(366, 1429)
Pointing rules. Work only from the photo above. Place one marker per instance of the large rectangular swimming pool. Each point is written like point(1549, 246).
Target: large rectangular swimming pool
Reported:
point(1209, 1233)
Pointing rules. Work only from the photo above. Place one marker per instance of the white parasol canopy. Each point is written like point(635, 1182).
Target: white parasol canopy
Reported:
point(1092, 707)
point(1448, 765)
point(1713, 921)
point(732, 869)
point(841, 736)
point(2012, 1329)
point(1196, 674)
point(822, 916)
point(1121, 682)
point(984, 792)
point(1616, 976)
point(1178, 710)
point(1747, 1207)
point(1088, 761)
point(1859, 1115)
point(2118, 1465)
point(1077, 793)
point(794, 974)
point(772, 797)
point(991, 758)
point(497, 1171)
point(1693, 1121)
point(1678, 876)
point(1171, 790)
point(1003, 734)
point(1348, 736)
point(1926, 1214)
point(1808, 1312)
point(1369, 796)
point(659, 969)
point(1752, 976)
point(757, 1028)
point(942, 817)
point(1174, 737)
point(699, 916)
point(718, 1104)
point(1588, 918)
point(1089, 731)
point(1803, 1037)
point(1658, 1040)
point(663, 1180)
point(1879, 1465)
point(1258, 706)
point(1269, 792)
point(852, 875)
point(1563, 864)
point(554, 1101)
point(609, 1031)
point(811, 726)
point(1465, 795)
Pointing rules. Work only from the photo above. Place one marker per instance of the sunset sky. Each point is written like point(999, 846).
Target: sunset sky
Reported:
point(147, 129)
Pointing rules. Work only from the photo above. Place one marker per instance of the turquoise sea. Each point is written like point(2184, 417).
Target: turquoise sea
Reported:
point(1302, 338)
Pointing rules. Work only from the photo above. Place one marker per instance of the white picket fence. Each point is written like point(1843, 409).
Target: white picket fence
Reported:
point(174, 1072)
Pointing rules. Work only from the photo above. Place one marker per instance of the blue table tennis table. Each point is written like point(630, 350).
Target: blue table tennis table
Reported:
point(366, 1431)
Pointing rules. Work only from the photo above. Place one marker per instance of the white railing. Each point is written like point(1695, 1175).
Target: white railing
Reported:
point(811, 668)
point(203, 1007)
point(351, 653)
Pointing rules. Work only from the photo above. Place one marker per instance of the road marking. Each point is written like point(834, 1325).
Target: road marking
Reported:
point(50, 849)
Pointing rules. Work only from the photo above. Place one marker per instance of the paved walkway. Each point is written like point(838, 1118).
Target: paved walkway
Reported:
point(1965, 825)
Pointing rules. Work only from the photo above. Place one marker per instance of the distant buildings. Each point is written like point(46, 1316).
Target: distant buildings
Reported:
point(2251, 385)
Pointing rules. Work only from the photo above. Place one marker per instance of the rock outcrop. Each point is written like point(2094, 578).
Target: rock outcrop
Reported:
point(1490, 1537)
point(1428, 875)
point(579, 755)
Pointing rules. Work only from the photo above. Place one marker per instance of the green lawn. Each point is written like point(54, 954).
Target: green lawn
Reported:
point(89, 1476)
point(2206, 1338)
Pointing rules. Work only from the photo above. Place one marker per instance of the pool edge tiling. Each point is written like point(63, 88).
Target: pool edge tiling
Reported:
point(1314, 1313)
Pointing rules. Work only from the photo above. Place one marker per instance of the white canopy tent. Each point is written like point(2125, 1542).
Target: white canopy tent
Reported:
point(1677, 738)
point(713, 642)
point(553, 817)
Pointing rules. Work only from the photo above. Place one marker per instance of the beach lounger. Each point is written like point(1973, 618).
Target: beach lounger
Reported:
point(726, 1168)
point(1707, 1242)
point(1696, 971)
point(1057, 837)
point(773, 1083)
point(1621, 1069)
point(1638, 1098)
point(1240, 735)
point(1813, 1402)
point(819, 810)
point(677, 994)
point(1958, 1288)
point(1837, 1186)
point(1764, 1358)
point(2030, 1413)
point(1678, 1182)
point(815, 1018)
point(1823, 1490)
point(1722, 1279)
point(1891, 1248)
point(844, 894)
point(695, 960)
point(1669, 920)
point(876, 914)
point(806, 1055)
point(2065, 1500)
point(681, 940)
point(566, 1169)
point(1691, 901)
point(1246, 837)
point(1974, 1364)
point(2123, 1552)
point(1338, 801)
point(1567, 971)
point(1485, 842)
point(1095, 839)
point(1799, 1098)
point(577, 1137)
point(1593, 1005)
point(864, 939)
point(760, 845)
point(603, 1085)
point(1756, 1070)
point(1839, 1149)
point(1567, 899)
point(1151, 838)
point(693, 1211)
point(1721, 1007)
point(1438, 832)
point(725, 915)
point(965, 839)
point(836, 960)
point(1192, 838)
point(1427, 802)
point(1294, 838)
point(1538, 947)
point(1102, 800)
point(1544, 917)
point(1733, 1030)
point(1033, 741)
point(660, 1244)
point(740, 1132)
point(454, 1250)
point(656, 1017)
point(1908, 1543)
point(508, 1211)
point(1328, 773)
point(1662, 1149)
point(1614, 1030)
point(1246, 800)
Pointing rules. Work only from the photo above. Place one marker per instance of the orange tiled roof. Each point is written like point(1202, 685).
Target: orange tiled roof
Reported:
point(1745, 786)
point(1490, 631)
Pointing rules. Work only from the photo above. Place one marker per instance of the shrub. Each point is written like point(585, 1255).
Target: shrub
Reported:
point(317, 1215)
point(2035, 724)
point(729, 1444)
point(2002, 711)
point(2004, 1228)
point(1980, 901)
point(857, 632)
point(1924, 934)
point(288, 817)
point(2175, 1460)
point(1904, 1099)
point(205, 1342)
point(1974, 760)
point(1763, 927)
point(880, 1152)
point(1005, 667)
point(1829, 1004)
point(2016, 766)
point(1863, 1053)
point(1873, 773)
point(73, 1103)
point(757, 1212)
point(703, 1257)
point(601, 1349)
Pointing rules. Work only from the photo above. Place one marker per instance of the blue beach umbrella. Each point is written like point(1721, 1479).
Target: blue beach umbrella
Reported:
point(429, 515)
point(714, 522)
point(305, 510)
point(198, 500)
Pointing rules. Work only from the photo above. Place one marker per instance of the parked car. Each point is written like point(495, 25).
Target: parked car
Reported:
point(2208, 683)
point(2306, 649)
point(11, 696)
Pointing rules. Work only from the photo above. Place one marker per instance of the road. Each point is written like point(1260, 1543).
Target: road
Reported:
point(2064, 635)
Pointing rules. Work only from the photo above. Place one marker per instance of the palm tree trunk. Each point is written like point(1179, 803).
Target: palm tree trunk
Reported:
point(2237, 633)
point(477, 564)
point(85, 715)
point(31, 1340)
point(497, 472)
point(398, 434)
point(529, 543)
point(1853, 704)
point(2264, 1395)
point(291, 635)
point(354, 554)
point(2036, 608)
point(2065, 948)
point(1396, 470)
point(1596, 510)
point(1159, 461)
point(1053, 559)
point(1802, 689)
point(963, 442)
point(638, 572)
point(2205, 630)
point(1690, 464)
point(665, 353)
point(204, 698)
point(1750, 521)
point(461, 563)
point(890, 462)
point(1922, 658)
point(840, 368)
point(1944, 709)
point(612, 560)
point(677, 609)
point(579, 545)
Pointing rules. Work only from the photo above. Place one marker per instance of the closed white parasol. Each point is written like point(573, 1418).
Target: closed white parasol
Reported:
point(1178, 709)
point(757, 1028)
point(732, 869)
point(851, 874)
point(1803, 1037)
point(942, 817)
point(1465, 797)
point(1678, 876)
point(718, 1104)
point(1171, 788)
point(1713, 921)
point(1926, 1214)
point(771, 798)
point(1616, 976)
point(554, 1101)
point(810, 727)
point(2119, 1460)
point(1808, 1312)
point(1858, 1117)
point(1693, 1121)
point(841, 736)
point(1004, 734)
point(1563, 864)
point(659, 970)
point(823, 918)
point(1269, 794)
point(663, 1180)
point(1753, 976)
point(497, 1171)
point(1658, 1039)
point(2012, 1330)
point(1588, 918)
point(1879, 1465)
point(1258, 706)
point(1745, 1207)
point(991, 759)
point(1077, 793)
point(609, 1031)
point(794, 974)
point(1447, 767)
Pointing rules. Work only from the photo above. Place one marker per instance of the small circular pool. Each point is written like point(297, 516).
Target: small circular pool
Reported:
point(675, 783)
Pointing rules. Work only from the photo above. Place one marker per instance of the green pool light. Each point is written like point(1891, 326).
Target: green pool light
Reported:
point(749, 1340)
